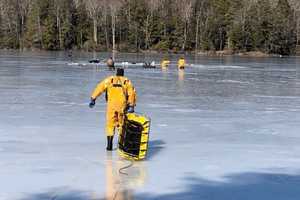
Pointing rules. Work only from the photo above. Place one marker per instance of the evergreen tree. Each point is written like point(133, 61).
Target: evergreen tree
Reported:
point(1, 25)
point(33, 35)
point(69, 23)
point(50, 40)
point(83, 25)
point(219, 21)
point(283, 35)
point(264, 27)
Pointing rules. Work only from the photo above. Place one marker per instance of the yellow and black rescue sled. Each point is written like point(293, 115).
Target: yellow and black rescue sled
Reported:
point(133, 140)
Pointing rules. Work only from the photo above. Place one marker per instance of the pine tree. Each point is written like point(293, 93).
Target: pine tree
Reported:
point(219, 21)
point(33, 35)
point(83, 25)
point(70, 21)
point(283, 35)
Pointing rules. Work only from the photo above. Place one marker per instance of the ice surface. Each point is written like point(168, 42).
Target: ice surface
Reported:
point(225, 128)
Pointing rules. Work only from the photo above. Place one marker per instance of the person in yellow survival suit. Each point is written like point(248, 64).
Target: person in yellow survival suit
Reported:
point(181, 63)
point(120, 97)
point(165, 63)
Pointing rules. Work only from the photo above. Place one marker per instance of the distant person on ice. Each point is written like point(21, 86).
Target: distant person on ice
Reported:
point(181, 63)
point(110, 63)
point(120, 97)
point(165, 63)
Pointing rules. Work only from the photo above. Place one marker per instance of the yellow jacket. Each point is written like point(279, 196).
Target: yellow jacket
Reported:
point(119, 91)
point(181, 63)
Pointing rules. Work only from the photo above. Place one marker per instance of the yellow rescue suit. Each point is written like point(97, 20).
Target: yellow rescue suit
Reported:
point(181, 63)
point(119, 94)
point(164, 63)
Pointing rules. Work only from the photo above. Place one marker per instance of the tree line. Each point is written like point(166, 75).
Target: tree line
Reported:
point(270, 26)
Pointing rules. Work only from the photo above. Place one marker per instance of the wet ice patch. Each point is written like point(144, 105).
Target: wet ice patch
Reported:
point(218, 66)
point(195, 79)
point(262, 131)
point(232, 81)
point(276, 97)
point(160, 106)
point(13, 142)
point(45, 170)
point(231, 67)
point(16, 117)
point(162, 125)
point(65, 103)
point(77, 64)
point(294, 110)
point(182, 110)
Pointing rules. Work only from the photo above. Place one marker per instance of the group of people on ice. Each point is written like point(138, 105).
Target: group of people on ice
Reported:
point(120, 97)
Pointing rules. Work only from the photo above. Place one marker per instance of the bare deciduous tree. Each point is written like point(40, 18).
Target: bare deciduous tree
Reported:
point(58, 7)
point(93, 8)
point(185, 11)
point(151, 6)
point(114, 6)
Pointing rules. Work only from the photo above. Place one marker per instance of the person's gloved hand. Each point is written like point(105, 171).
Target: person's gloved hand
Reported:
point(130, 109)
point(92, 103)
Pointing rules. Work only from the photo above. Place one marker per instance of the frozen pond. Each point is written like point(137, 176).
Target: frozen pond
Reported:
point(224, 129)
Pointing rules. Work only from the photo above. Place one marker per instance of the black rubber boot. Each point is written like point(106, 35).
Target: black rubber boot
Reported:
point(109, 143)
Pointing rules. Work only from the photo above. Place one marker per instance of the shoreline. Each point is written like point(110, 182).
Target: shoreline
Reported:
point(223, 53)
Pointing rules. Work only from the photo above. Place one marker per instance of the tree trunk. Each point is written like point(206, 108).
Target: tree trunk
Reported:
point(297, 30)
point(18, 34)
point(81, 40)
point(185, 36)
point(147, 33)
point(106, 32)
point(136, 38)
point(95, 31)
point(129, 22)
point(22, 32)
point(229, 43)
point(113, 29)
point(59, 28)
point(40, 31)
point(197, 32)
point(221, 39)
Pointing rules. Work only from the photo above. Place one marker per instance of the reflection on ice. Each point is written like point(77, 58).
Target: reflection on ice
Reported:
point(122, 178)
point(181, 75)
